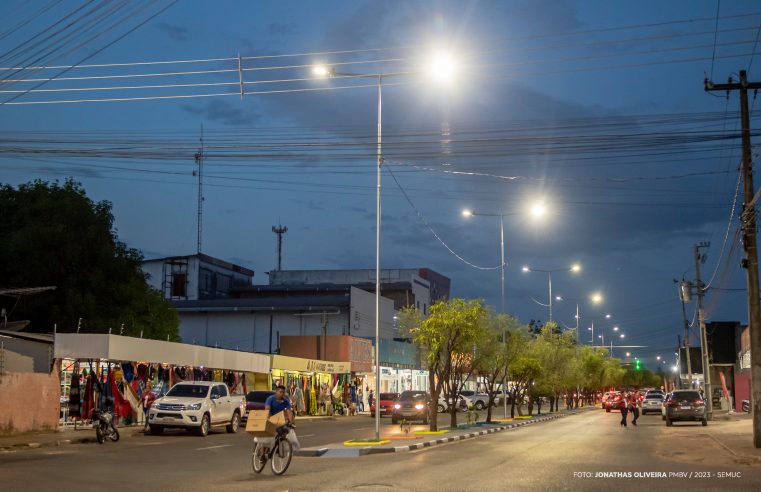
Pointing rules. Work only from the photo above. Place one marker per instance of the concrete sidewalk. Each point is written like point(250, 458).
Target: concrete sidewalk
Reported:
point(83, 434)
point(400, 442)
point(734, 433)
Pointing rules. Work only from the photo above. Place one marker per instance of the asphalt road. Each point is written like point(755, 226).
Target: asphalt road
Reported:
point(565, 454)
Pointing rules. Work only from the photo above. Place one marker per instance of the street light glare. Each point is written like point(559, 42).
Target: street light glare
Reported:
point(628, 354)
point(622, 335)
point(526, 269)
point(467, 213)
point(607, 316)
point(615, 328)
point(596, 298)
point(538, 210)
point(321, 70)
point(558, 298)
point(575, 268)
point(442, 67)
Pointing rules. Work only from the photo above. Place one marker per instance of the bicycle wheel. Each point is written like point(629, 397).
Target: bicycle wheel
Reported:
point(281, 458)
point(258, 459)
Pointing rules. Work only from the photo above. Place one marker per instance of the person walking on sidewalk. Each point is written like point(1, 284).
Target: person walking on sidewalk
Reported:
point(624, 406)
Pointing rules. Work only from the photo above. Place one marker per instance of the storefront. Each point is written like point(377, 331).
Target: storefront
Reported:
point(317, 380)
point(115, 372)
point(400, 370)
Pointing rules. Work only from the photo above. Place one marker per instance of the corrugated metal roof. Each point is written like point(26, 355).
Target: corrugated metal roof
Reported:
point(295, 303)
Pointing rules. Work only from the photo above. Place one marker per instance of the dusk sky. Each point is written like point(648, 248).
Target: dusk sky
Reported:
point(595, 107)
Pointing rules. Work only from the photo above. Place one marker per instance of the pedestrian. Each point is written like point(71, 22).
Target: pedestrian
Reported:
point(360, 402)
point(370, 398)
point(624, 406)
point(297, 398)
point(539, 405)
point(634, 406)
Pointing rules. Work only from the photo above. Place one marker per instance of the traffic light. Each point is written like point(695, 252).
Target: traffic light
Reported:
point(636, 366)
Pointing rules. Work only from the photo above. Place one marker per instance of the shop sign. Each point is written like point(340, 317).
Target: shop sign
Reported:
point(309, 365)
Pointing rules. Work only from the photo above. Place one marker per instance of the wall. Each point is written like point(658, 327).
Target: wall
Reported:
point(363, 315)
point(39, 353)
point(742, 388)
point(358, 351)
point(250, 331)
point(29, 402)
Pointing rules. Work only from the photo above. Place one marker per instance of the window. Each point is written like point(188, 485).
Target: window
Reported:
point(224, 284)
point(222, 389)
point(205, 281)
point(179, 285)
point(425, 309)
point(214, 392)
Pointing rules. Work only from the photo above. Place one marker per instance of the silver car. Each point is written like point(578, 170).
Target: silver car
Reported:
point(652, 403)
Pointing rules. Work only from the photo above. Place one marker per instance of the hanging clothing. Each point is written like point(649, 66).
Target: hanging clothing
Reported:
point(74, 399)
point(87, 400)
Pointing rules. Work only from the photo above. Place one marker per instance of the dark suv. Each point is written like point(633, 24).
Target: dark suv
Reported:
point(411, 405)
point(685, 405)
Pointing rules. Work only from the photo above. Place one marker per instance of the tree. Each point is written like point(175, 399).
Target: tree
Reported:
point(493, 354)
point(54, 235)
point(446, 339)
point(555, 353)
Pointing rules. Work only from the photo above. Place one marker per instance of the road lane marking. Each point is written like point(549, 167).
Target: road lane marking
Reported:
point(214, 447)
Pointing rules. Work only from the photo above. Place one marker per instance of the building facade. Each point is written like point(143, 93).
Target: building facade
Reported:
point(194, 277)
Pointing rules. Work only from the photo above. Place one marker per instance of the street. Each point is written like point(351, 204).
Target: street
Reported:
point(580, 452)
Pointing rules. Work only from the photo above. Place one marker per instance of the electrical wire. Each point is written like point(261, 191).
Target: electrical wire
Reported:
point(715, 35)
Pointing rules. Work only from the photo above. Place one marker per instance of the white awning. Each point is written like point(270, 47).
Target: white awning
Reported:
point(120, 348)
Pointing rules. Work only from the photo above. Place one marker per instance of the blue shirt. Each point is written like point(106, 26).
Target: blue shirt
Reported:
point(277, 406)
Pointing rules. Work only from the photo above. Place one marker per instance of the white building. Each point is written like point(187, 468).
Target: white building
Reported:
point(194, 277)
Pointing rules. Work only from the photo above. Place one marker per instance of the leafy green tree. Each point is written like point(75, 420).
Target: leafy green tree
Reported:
point(52, 234)
point(446, 339)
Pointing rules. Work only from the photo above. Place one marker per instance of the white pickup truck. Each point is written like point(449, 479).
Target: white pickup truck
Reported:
point(198, 405)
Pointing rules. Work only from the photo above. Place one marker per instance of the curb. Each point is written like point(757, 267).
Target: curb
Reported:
point(63, 442)
point(356, 452)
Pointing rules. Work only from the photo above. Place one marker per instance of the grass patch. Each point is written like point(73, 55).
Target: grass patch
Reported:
point(429, 433)
point(365, 442)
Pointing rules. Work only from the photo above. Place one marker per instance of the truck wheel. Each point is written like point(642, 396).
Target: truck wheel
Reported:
point(479, 405)
point(232, 427)
point(156, 430)
point(203, 429)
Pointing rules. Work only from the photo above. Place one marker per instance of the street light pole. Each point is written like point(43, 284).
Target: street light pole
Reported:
point(502, 258)
point(377, 259)
point(549, 282)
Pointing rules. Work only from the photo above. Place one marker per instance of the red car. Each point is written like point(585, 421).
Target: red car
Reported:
point(614, 401)
point(387, 401)
point(255, 400)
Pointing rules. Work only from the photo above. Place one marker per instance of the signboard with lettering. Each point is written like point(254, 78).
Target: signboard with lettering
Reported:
point(286, 363)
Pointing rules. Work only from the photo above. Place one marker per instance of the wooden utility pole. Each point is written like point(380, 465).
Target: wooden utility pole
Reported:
point(750, 262)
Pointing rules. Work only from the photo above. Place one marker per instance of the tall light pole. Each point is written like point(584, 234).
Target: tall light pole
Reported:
point(471, 213)
point(595, 298)
point(575, 268)
point(444, 67)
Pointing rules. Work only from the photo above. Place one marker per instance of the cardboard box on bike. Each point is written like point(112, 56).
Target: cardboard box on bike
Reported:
point(259, 425)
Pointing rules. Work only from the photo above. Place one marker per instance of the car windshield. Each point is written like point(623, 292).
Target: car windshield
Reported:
point(388, 396)
point(686, 395)
point(189, 391)
point(655, 397)
point(467, 393)
point(258, 396)
point(412, 394)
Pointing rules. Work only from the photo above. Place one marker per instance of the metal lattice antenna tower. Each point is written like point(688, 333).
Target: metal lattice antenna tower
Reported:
point(279, 230)
point(199, 157)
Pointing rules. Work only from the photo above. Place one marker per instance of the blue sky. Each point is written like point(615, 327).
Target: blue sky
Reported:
point(611, 77)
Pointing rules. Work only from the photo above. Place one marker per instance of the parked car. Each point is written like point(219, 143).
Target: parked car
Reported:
point(255, 400)
point(615, 401)
point(686, 405)
point(387, 401)
point(411, 405)
point(652, 403)
point(479, 400)
point(463, 404)
point(197, 405)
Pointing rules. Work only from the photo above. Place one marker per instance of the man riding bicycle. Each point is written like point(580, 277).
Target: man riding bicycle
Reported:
point(279, 403)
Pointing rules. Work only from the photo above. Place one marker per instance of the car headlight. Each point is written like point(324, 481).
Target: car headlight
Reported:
point(419, 406)
point(397, 406)
point(194, 406)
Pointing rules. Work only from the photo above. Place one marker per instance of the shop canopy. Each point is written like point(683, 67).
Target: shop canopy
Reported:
point(120, 348)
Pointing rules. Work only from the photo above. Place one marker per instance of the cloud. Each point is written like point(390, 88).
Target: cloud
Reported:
point(224, 112)
point(280, 29)
point(175, 32)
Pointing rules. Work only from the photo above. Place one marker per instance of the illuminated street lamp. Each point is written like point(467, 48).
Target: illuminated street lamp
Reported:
point(441, 67)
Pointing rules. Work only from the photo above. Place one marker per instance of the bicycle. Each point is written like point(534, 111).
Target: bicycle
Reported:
point(279, 455)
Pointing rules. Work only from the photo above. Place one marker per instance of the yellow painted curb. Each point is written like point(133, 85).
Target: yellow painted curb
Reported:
point(428, 433)
point(524, 417)
point(503, 420)
point(366, 443)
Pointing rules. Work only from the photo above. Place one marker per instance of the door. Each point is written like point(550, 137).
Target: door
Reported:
point(217, 404)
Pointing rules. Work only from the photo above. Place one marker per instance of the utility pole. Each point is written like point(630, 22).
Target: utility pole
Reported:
point(748, 220)
point(703, 337)
point(199, 157)
point(279, 230)
point(684, 297)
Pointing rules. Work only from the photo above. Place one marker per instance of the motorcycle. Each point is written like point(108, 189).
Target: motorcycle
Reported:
point(104, 426)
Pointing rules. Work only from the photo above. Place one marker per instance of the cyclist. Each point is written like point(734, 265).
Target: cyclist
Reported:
point(279, 403)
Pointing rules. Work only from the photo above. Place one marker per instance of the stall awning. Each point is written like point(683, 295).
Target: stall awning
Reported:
point(116, 347)
point(286, 363)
